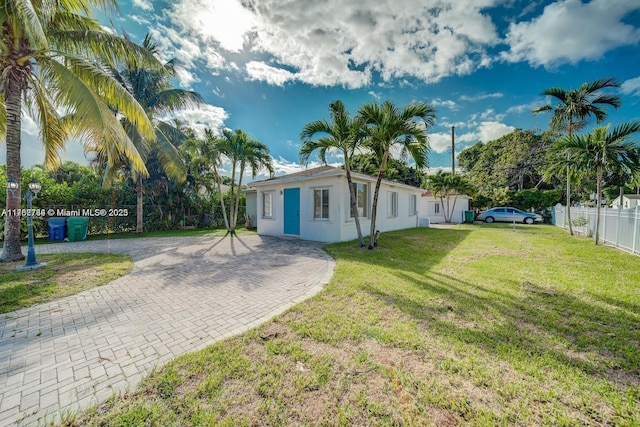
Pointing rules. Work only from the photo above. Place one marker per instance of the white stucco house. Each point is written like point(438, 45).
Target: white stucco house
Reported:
point(629, 201)
point(314, 204)
point(431, 207)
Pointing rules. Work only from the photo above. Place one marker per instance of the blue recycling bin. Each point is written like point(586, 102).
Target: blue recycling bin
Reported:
point(57, 228)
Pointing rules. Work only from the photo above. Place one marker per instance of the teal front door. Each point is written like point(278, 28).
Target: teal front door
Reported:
point(292, 211)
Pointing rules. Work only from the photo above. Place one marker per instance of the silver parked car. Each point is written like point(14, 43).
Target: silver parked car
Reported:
point(508, 215)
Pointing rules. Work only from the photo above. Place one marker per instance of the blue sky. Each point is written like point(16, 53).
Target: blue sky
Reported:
point(271, 66)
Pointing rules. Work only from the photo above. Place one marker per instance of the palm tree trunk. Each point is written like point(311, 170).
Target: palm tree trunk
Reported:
point(374, 205)
point(11, 250)
point(569, 183)
point(453, 208)
point(139, 204)
point(353, 202)
point(569, 202)
point(224, 209)
point(232, 228)
point(599, 197)
point(235, 216)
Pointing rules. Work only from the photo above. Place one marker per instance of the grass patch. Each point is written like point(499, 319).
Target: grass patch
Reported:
point(65, 274)
point(478, 325)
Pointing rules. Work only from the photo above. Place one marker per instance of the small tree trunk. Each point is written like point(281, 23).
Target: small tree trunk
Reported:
point(232, 225)
point(224, 210)
point(374, 205)
point(598, 197)
point(139, 205)
point(11, 250)
point(353, 202)
point(235, 215)
point(569, 202)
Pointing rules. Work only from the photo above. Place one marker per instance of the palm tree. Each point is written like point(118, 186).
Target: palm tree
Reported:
point(573, 108)
point(206, 159)
point(241, 152)
point(605, 151)
point(51, 53)
point(343, 134)
point(444, 184)
point(153, 90)
point(388, 126)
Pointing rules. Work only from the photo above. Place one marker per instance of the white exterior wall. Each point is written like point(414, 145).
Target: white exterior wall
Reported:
point(339, 227)
point(428, 209)
point(252, 206)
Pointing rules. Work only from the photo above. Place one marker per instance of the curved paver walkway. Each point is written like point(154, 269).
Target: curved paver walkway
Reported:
point(182, 295)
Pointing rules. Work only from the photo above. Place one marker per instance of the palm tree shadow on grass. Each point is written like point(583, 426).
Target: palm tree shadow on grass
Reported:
point(528, 318)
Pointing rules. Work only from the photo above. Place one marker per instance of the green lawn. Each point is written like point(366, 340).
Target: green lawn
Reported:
point(65, 274)
point(478, 325)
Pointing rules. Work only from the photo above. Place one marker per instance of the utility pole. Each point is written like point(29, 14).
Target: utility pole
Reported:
point(453, 150)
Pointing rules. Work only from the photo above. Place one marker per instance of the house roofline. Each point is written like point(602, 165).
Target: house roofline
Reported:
point(328, 172)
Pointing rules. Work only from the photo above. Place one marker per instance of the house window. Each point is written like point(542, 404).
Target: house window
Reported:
point(413, 202)
point(362, 198)
point(436, 208)
point(321, 203)
point(267, 204)
point(393, 203)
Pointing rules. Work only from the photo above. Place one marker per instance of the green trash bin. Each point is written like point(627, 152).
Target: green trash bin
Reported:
point(77, 228)
point(469, 216)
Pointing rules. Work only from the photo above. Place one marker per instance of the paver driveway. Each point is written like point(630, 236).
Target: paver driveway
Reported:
point(182, 295)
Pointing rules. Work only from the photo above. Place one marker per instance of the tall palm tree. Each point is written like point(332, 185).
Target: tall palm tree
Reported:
point(241, 151)
point(572, 110)
point(51, 53)
point(444, 184)
point(342, 133)
point(387, 127)
point(206, 159)
point(153, 89)
point(605, 151)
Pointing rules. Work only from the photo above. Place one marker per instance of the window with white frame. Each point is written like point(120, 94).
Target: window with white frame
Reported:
point(436, 208)
point(362, 199)
point(413, 203)
point(321, 203)
point(267, 204)
point(393, 203)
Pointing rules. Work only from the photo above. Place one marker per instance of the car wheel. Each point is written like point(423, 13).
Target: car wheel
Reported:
point(528, 220)
point(488, 219)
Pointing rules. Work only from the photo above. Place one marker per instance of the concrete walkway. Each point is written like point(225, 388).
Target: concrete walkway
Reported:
point(182, 295)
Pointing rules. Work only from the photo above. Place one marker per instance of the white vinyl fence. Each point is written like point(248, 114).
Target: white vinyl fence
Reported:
point(618, 227)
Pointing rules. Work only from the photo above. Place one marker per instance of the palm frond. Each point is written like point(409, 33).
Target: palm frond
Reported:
point(169, 156)
point(95, 121)
point(171, 100)
point(51, 131)
point(80, 74)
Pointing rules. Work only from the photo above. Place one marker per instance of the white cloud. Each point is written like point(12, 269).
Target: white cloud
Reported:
point(571, 31)
point(631, 87)
point(440, 142)
point(185, 78)
point(225, 22)
point(490, 131)
point(481, 97)
point(338, 42)
point(203, 116)
point(447, 103)
point(145, 5)
point(525, 108)
point(264, 72)
point(140, 20)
